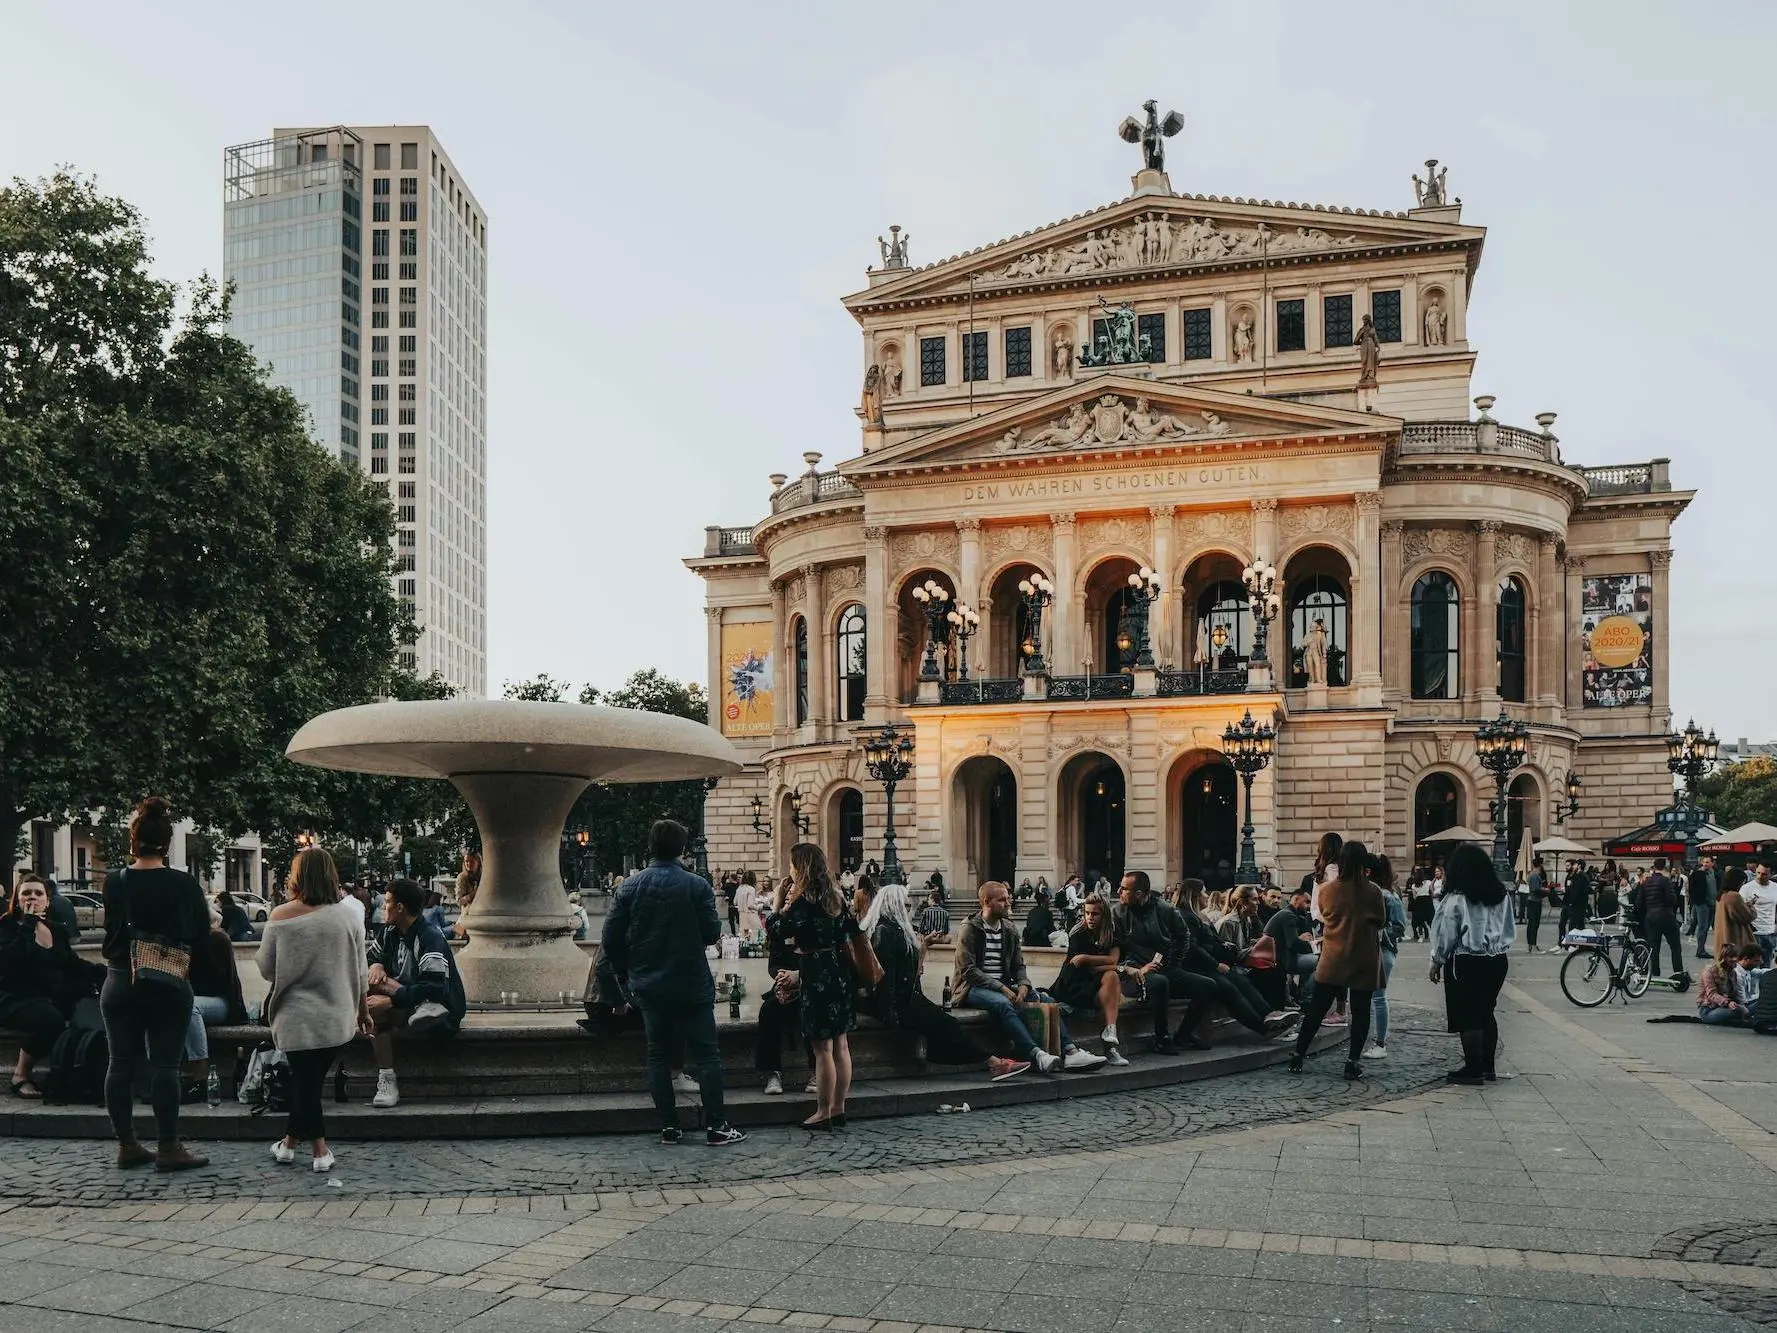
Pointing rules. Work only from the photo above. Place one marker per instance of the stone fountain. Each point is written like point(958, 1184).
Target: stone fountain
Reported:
point(520, 766)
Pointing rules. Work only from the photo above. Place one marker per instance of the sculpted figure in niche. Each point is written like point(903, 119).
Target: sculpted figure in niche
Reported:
point(1243, 336)
point(1314, 654)
point(1369, 349)
point(1061, 355)
point(870, 404)
point(1437, 323)
point(889, 384)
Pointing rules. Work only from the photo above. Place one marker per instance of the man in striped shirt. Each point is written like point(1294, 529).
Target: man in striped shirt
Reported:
point(990, 974)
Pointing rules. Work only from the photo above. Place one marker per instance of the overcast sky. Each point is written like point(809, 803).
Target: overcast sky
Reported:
point(678, 194)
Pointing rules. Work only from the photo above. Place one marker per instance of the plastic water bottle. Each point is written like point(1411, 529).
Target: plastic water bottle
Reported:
point(213, 1087)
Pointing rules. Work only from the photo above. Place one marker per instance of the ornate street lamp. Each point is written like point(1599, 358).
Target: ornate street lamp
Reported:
point(1037, 593)
point(1144, 589)
point(802, 822)
point(888, 756)
point(964, 625)
point(1262, 595)
point(934, 599)
point(1565, 812)
point(761, 825)
point(699, 843)
point(1501, 746)
point(1690, 755)
point(1248, 747)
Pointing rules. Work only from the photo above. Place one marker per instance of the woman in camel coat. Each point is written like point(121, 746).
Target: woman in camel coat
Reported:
point(1353, 912)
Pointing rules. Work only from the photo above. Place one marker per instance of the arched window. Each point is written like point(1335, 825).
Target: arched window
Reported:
point(1511, 620)
point(851, 829)
point(1118, 630)
point(851, 664)
point(1319, 597)
point(1437, 805)
point(1224, 606)
point(1437, 636)
point(801, 670)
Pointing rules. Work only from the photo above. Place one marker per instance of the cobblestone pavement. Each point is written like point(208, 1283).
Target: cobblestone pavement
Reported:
point(58, 1171)
point(1620, 1181)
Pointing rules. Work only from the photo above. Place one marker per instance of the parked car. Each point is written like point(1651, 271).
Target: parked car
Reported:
point(256, 908)
point(89, 910)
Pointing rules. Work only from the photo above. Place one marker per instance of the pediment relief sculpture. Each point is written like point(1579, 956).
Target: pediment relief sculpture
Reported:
point(907, 548)
point(1113, 420)
point(1300, 520)
point(1420, 542)
point(1216, 526)
point(1026, 539)
point(1161, 238)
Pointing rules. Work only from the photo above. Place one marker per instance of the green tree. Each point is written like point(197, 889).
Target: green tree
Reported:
point(542, 689)
point(1741, 793)
point(192, 576)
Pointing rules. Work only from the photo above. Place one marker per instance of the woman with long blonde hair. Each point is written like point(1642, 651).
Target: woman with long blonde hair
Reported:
point(819, 925)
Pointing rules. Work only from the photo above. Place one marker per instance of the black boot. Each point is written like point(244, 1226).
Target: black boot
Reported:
point(1470, 1073)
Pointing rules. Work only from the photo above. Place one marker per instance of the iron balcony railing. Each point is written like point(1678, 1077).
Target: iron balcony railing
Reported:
point(1067, 688)
point(988, 690)
point(1182, 684)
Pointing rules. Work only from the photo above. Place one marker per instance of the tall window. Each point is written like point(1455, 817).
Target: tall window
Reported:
point(1153, 328)
point(1510, 621)
point(1292, 326)
point(1385, 308)
point(852, 664)
point(931, 361)
point(801, 638)
point(974, 356)
point(851, 829)
point(1336, 320)
point(1437, 805)
point(1017, 352)
point(1319, 597)
point(1224, 606)
point(1437, 636)
point(1198, 343)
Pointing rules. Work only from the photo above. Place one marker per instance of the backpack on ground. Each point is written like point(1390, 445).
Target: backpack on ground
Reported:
point(79, 1059)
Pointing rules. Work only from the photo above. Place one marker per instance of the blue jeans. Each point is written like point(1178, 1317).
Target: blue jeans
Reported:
point(1005, 1013)
point(691, 1028)
point(1717, 1016)
point(1379, 1001)
point(204, 1009)
point(1304, 968)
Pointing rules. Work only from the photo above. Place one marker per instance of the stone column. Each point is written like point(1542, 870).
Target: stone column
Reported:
point(1067, 616)
point(820, 655)
point(1483, 650)
point(1551, 625)
point(1161, 632)
point(1575, 569)
point(713, 615)
point(1365, 670)
point(784, 678)
point(1265, 528)
point(1660, 562)
point(1394, 612)
point(879, 629)
point(968, 533)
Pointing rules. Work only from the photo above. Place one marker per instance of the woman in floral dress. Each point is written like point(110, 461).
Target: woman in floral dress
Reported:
point(818, 925)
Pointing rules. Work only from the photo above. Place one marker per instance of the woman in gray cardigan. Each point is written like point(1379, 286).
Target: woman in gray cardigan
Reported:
point(313, 956)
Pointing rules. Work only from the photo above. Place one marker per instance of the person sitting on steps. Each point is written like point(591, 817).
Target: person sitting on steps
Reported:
point(1149, 933)
point(414, 984)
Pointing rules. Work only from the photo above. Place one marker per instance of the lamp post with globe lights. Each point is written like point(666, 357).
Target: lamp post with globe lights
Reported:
point(934, 599)
point(1501, 745)
point(1248, 746)
point(888, 757)
point(1260, 579)
point(1144, 590)
point(964, 624)
point(1690, 755)
point(1037, 593)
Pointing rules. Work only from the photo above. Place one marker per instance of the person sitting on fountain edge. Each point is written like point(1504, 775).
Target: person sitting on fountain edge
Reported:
point(414, 984)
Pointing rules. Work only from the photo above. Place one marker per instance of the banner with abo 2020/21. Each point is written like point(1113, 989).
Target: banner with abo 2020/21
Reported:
point(1617, 640)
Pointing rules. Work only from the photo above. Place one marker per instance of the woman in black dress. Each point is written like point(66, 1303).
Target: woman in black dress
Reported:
point(1088, 980)
point(819, 926)
point(41, 978)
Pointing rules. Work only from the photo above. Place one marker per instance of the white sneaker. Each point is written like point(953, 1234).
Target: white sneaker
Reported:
point(685, 1083)
point(284, 1156)
point(1375, 1052)
point(813, 1089)
point(774, 1086)
point(1109, 1036)
point(1114, 1057)
point(387, 1094)
point(324, 1163)
point(1046, 1063)
point(1078, 1060)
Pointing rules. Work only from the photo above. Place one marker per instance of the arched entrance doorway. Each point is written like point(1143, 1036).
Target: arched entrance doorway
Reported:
point(1523, 812)
point(845, 822)
point(1209, 811)
point(1109, 632)
point(1437, 805)
point(984, 819)
point(1008, 627)
point(1091, 809)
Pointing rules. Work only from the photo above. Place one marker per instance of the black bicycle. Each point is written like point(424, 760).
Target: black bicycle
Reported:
point(1610, 958)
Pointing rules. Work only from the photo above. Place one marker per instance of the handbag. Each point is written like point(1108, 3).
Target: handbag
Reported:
point(154, 959)
point(865, 966)
point(1263, 954)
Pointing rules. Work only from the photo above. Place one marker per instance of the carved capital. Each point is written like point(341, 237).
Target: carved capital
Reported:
point(714, 614)
point(1264, 504)
point(1062, 520)
point(876, 534)
point(1370, 501)
point(1659, 559)
point(1393, 528)
point(1488, 527)
point(1574, 564)
point(1548, 541)
point(970, 524)
point(1162, 511)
